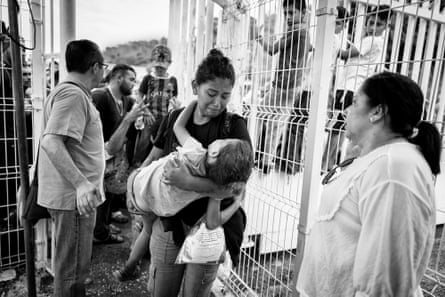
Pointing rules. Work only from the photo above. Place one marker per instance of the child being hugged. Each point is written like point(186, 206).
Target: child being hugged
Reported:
point(227, 162)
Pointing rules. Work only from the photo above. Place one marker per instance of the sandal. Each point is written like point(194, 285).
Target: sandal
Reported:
point(112, 238)
point(126, 274)
point(119, 217)
point(114, 229)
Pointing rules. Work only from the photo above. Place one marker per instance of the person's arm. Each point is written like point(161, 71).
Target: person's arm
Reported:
point(271, 47)
point(397, 228)
point(353, 51)
point(179, 127)
point(177, 174)
point(154, 155)
point(117, 140)
point(88, 195)
point(215, 217)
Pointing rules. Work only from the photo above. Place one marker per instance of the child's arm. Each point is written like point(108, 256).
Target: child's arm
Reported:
point(177, 174)
point(215, 217)
point(351, 52)
point(179, 127)
point(271, 48)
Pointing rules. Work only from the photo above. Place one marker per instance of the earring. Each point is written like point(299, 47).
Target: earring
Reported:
point(372, 119)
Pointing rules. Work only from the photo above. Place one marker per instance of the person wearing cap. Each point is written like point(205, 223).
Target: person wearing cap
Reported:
point(158, 89)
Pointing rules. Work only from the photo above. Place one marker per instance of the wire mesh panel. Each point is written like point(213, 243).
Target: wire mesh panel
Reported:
point(273, 48)
point(12, 251)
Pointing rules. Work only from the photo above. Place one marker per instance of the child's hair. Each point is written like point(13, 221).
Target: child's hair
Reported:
point(297, 4)
point(161, 56)
point(215, 65)
point(233, 164)
point(382, 12)
point(342, 13)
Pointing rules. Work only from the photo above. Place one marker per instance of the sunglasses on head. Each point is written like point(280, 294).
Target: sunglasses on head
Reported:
point(336, 169)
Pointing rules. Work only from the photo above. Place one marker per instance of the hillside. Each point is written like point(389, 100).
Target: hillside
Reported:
point(133, 52)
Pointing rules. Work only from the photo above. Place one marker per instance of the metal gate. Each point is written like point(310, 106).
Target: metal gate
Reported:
point(296, 141)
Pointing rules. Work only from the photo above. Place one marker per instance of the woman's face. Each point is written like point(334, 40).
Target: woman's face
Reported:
point(213, 96)
point(358, 116)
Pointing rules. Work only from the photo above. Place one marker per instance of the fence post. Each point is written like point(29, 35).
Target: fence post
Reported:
point(38, 93)
point(325, 23)
point(67, 31)
point(174, 26)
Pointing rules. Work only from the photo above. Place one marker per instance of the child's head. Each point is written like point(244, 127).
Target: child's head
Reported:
point(341, 20)
point(161, 58)
point(377, 20)
point(229, 160)
point(294, 11)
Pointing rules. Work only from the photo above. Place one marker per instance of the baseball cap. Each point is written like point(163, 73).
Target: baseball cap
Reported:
point(161, 56)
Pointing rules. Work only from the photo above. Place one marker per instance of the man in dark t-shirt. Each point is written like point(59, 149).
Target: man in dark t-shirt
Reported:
point(117, 114)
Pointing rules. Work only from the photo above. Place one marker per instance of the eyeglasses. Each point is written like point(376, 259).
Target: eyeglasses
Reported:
point(336, 169)
point(103, 65)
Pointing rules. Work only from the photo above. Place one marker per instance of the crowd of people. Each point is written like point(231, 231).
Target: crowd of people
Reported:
point(173, 167)
point(284, 108)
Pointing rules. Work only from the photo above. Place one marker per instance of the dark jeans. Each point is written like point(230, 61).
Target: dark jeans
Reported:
point(290, 147)
point(103, 217)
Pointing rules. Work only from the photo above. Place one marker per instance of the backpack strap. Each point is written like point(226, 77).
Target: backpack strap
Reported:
point(229, 119)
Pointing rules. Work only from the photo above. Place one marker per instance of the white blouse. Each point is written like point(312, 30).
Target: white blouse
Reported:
point(375, 228)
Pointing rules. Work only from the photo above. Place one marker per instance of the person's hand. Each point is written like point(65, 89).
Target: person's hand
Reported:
point(136, 111)
point(149, 118)
point(175, 103)
point(175, 173)
point(88, 198)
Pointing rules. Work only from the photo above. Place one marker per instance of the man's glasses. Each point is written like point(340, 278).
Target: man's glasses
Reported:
point(336, 169)
point(103, 65)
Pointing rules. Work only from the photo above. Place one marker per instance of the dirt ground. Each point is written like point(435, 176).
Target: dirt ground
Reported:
point(106, 259)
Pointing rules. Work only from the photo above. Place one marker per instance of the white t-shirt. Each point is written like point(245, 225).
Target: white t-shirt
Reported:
point(359, 68)
point(152, 194)
point(375, 227)
point(338, 43)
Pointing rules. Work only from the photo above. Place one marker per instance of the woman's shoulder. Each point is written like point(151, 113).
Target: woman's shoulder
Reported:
point(400, 162)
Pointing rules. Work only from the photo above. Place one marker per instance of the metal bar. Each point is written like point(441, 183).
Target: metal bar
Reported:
point(315, 131)
point(208, 42)
point(200, 29)
point(22, 148)
point(67, 30)
point(38, 93)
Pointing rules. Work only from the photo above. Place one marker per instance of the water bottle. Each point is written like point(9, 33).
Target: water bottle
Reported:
point(139, 123)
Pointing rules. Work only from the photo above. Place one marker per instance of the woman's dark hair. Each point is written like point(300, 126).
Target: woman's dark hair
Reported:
point(215, 65)
point(81, 54)
point(298, 4)
point(403, 99)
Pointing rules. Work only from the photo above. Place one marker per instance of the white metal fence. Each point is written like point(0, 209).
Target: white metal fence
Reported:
point(12, 250)
point(289, 163)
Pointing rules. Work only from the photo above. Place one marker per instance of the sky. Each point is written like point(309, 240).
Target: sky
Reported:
point(111, 22)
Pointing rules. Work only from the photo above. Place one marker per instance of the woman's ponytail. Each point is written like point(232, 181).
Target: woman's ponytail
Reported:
point(427, 138)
